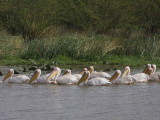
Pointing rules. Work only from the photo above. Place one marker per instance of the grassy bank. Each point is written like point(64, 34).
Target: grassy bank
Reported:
point(78, 48)
point(108, 32)
point(62, 60)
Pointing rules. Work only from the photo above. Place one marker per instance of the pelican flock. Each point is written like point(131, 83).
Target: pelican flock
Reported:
point(87, 77)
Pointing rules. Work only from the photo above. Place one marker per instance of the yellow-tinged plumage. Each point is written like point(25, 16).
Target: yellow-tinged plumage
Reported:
point(8, 78)
point(95, 74)
point(99, 80)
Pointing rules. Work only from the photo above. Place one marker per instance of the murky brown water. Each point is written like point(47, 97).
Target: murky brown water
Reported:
point(140, 101)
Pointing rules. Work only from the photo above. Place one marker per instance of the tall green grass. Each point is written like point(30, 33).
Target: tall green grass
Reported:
point(75, 45)
point(144, 46)
point(82, 47)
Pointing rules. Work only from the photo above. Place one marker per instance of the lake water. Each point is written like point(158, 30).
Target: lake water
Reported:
point(140, 101)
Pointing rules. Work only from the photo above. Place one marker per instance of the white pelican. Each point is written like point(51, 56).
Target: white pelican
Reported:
point(65, 79)
point(48, 78)
point(146, 68)
point(156, 75)
point(78, 76)
point(67, 72)
point(154, 67)
point(17, 79)
point(99, 80)
point(95, 74)
point(126, 77)
point(143, 77)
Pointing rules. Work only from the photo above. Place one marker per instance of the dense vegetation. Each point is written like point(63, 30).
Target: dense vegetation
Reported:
point(89, 30)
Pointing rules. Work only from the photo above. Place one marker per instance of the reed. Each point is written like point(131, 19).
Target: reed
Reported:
point(80, 48)
point(76, 46)
point(144, 47)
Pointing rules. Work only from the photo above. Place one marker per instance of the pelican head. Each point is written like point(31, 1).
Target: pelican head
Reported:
point(67, 72)
point(154, 68)
point(84, 77)
point(35, 76)
point(116, 75)
point(146, 68)
point(126, 71)
point(8, 75)
point(55, 73)
point(91, 69)
point(149, 71)
point(84, 69)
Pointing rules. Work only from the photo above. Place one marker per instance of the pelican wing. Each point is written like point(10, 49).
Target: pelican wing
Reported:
point(155, 77)
point(19, 79)
point(67, 79)
point(42, 79)
point(140, 77)
point(125, 80)
point(99, 74)
point(78, 76)
point(98, 81)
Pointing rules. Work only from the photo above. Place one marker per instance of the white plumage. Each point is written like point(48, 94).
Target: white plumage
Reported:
point(99, 80)
point(67, 79)
point(125, 80)
point(140, 77)
point(45, 79)
point(156, 75)
point(145, 76)
point(99, 74)
point(95, 74)
point(17, 79)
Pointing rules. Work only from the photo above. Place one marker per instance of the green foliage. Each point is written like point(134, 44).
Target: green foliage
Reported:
point(76, 46)
point(27, 17)
point(32, 17)
point(145, 47)
point(147, 15)
point(87, 30)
